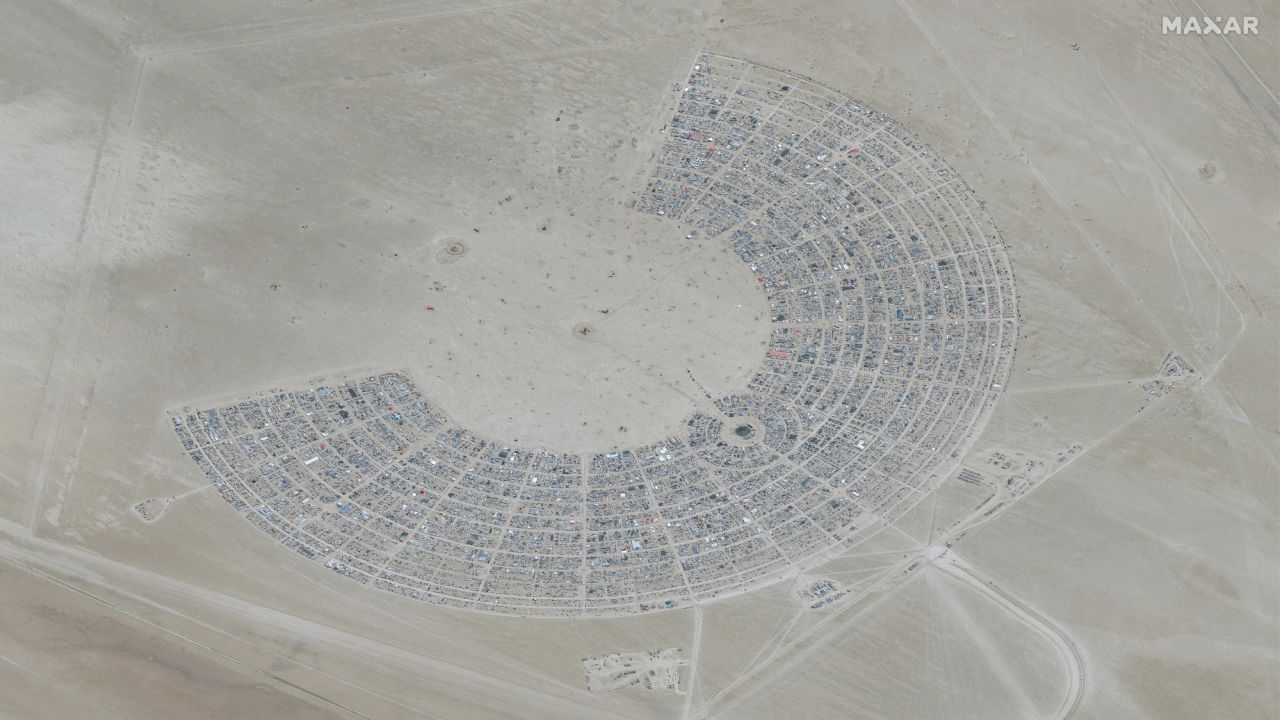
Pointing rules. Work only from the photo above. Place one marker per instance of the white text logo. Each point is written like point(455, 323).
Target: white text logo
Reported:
point(1192, 25)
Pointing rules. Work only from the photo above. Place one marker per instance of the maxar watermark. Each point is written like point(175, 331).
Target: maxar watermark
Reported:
point(1192, 25)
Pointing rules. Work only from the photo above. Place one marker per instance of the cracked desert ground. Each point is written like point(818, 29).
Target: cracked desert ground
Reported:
point(205, 201)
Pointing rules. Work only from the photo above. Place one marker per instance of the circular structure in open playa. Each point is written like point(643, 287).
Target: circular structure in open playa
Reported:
point(892, 326)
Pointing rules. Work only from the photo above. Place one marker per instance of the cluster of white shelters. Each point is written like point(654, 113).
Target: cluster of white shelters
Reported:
point(893, 315)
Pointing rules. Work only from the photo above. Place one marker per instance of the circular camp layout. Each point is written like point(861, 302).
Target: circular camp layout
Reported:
point(892, 319)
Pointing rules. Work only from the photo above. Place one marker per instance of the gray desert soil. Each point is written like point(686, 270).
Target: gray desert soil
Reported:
point(203, 201)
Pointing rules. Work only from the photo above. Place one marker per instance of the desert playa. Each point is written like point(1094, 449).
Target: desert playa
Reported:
point(601, 360)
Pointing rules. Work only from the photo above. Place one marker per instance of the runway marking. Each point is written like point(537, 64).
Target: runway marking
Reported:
point(693, 659)
point(107, 169)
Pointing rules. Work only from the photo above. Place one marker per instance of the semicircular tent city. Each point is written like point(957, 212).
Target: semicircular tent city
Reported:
point(893, 326)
